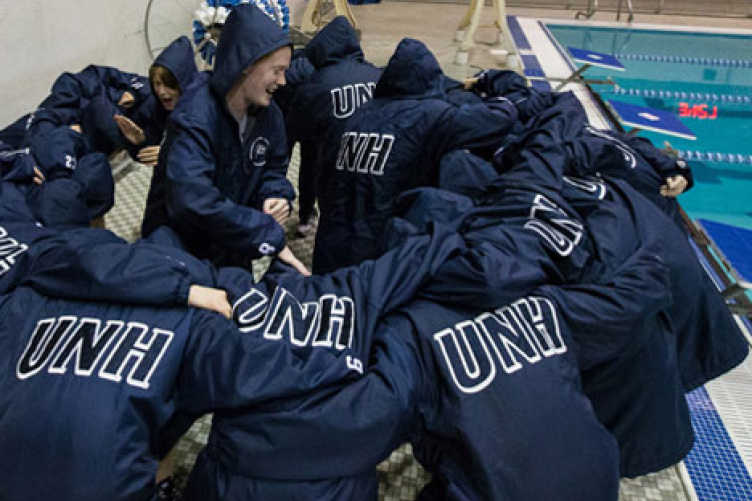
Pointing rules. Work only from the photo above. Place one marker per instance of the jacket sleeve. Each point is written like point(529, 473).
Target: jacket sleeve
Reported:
point(611, 319)
point(665, 165)
point(146, 117)
point(94, 264)
point(17, 166)
point(196, 206)
point(94, 174)
point(393, 279)
point(481, 128)
point(58, 204)
point(490, 273)
point(274, 182)
point(498, 263)
point(69, 91)
point(541, 156)
point(116, 82)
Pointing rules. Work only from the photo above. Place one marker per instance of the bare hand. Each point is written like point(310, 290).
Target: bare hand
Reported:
point(278, 208)
point(674, 186)
point(132, 132)
point(149, 155)
point(209, 299)
point(670, 150)
point(286, 256)
point(76, 128)
point(38, 176)
point(127, 100)
point(469, 83)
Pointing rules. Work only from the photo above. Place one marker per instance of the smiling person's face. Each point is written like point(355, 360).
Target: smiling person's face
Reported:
point(262, 78)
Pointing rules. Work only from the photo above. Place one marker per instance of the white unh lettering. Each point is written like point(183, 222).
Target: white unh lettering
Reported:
point(348, 98)
point(554, 226)
point(82, 343)
point(523, 333)
point(364, 152)
point(10, 249)
point(327, 322)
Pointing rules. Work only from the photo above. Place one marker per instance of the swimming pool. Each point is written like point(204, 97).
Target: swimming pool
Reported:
point(706, 80)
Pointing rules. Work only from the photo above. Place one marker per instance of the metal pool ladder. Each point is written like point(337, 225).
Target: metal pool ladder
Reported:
point(592, 8)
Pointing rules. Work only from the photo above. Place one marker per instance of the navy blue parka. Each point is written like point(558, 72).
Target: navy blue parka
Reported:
point(152, 117)
point(178, 59)
point(394, 143)
point(215, 184)
point(342, 82)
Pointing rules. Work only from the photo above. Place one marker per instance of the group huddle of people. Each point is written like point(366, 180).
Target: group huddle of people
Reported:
point(496, 282)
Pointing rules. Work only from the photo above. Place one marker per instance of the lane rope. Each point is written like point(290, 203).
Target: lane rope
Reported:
point(706, 61)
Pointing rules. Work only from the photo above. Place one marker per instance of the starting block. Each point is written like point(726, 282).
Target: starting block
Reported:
point(644, 118)
point(588, 59)
point(734, 248)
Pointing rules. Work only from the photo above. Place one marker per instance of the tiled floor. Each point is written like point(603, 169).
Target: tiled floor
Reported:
point(383, 25)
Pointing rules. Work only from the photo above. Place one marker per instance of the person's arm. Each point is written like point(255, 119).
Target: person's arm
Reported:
point(674, 170)
point(477, 127)
point(500, 261)
point(610, 319)
point(541, 156)
point(69, 91)
point(382, 285)
point(19, 166)
point(94, 175)
point(122, 88)
point(491, 273)
point(196, 206)
point(93, 264)
point(494, 83)
point(274, 184)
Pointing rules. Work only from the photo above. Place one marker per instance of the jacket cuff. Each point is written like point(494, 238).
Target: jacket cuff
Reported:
point(183, 289)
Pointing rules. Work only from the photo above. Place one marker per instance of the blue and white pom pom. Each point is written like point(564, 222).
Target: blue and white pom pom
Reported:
point(211, 15)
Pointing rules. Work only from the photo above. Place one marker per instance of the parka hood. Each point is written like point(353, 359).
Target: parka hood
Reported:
point(336, 42)
point(247, 36)
point(178, 59)
point(412, 71)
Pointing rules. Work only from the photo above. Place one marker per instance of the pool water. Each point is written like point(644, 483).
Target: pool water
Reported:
point(706, 79)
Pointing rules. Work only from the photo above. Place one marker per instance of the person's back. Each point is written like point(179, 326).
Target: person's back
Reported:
point(341, 82)
point(393, 143)
point(491, 399)
point(507, 419)
point(85, 388)
point(677, 350)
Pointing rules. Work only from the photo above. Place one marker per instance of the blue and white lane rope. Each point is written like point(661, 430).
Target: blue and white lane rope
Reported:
point(682, 95)
point(705, 61)
point(712, 156)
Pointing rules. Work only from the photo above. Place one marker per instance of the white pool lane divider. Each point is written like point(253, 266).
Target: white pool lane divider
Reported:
point(705, 61)
point(681, 95)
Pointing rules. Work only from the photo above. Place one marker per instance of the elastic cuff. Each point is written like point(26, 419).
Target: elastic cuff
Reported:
point(183, 290)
